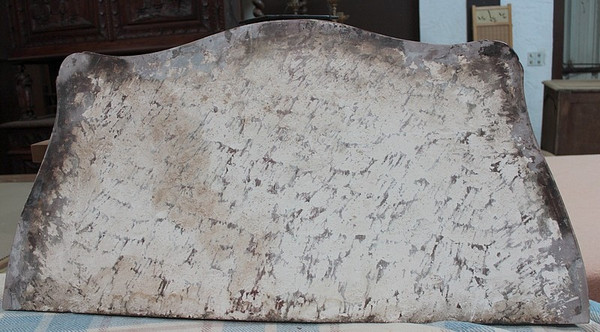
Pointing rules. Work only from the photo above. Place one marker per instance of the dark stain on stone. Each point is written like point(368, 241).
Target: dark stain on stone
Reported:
point(495, 49)
point(555, 207)
point(494, 167)
point(381, 266)
point(162, 286)
point(367, 300)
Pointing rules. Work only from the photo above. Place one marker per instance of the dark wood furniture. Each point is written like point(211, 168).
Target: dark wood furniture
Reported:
point(16, 138)
point(40, 33)
point(41, 29)
point(393, 18)
point(571, 119)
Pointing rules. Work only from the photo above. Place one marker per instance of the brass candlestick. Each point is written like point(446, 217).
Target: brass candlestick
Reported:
point(333, 11)
point(294, 5)
point(333, 6)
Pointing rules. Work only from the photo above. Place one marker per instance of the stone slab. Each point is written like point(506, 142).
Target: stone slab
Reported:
point(298, 171)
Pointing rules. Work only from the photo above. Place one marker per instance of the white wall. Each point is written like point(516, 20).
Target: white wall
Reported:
point(532, 32)
point(444, 22)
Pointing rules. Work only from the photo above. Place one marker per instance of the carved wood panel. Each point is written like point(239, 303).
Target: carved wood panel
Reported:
point(37, 23)
point(147, 18)
point(43, 28)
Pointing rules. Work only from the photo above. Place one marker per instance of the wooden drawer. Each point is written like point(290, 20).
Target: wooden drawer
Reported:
point(571, 119)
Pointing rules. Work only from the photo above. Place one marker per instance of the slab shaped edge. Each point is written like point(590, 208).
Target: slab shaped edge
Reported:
point(270, 140)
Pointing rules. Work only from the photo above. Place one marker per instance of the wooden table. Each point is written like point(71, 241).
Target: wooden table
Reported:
point(578, 180)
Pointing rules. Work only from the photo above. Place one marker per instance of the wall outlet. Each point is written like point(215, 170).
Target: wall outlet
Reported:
point(536, 59)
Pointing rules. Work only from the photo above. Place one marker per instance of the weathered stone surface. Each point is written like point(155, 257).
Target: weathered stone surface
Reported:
point(303, 171)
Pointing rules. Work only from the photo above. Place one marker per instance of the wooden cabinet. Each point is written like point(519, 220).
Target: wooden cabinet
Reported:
point(41, 33)
point(571, 119)
point(15, 141)
point(47, 28)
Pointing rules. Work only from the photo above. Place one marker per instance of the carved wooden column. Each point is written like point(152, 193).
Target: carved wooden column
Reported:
point(259, 6)
point(303, 7)
point(24, 94)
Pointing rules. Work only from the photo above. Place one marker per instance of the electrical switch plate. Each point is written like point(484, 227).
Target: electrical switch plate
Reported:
point(536, 59)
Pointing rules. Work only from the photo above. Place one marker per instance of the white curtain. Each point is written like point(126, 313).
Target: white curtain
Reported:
point(582, 38)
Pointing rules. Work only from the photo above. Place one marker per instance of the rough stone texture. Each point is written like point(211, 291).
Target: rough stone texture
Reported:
point(302, 171)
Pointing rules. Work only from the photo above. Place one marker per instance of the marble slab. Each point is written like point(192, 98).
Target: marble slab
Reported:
point(298, 171)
